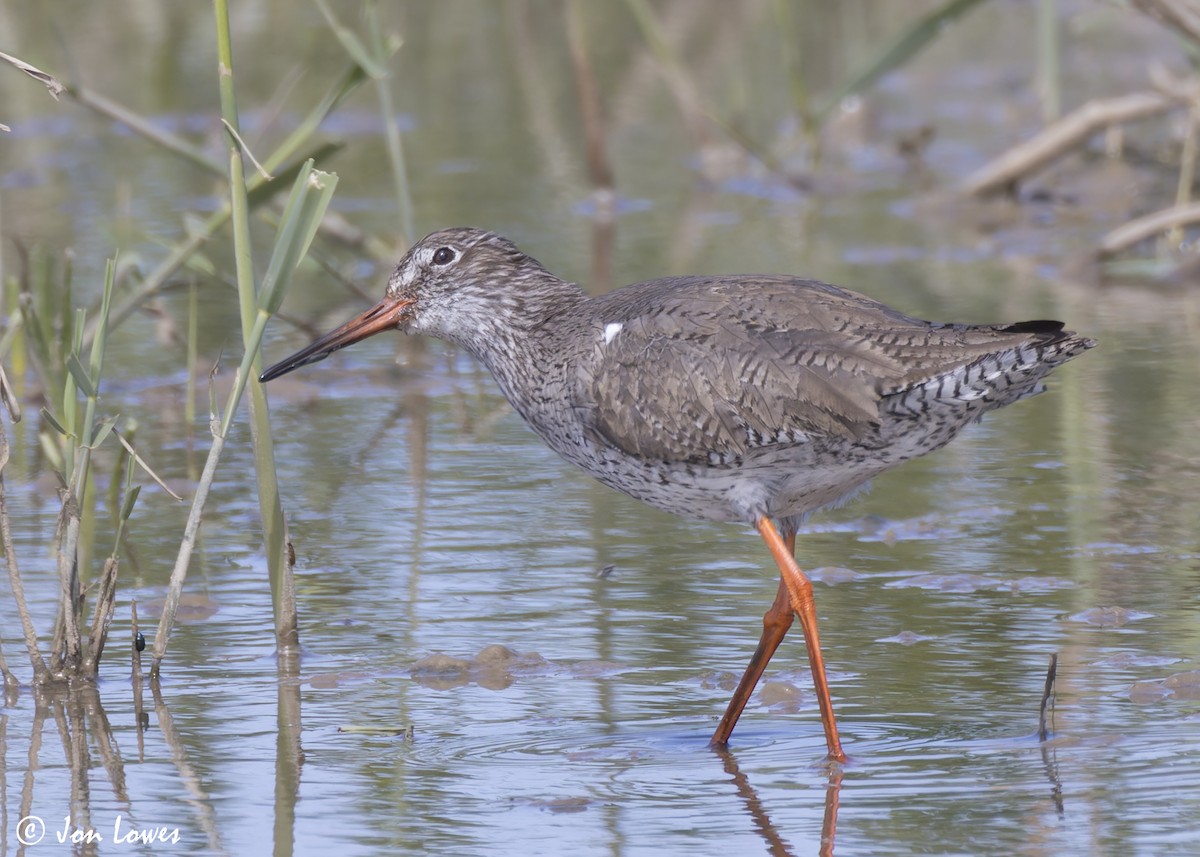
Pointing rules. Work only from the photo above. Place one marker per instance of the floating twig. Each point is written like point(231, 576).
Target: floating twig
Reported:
point(405, 732)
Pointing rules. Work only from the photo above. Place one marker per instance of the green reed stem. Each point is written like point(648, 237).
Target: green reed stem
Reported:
point(274, 528)
point(270, 508)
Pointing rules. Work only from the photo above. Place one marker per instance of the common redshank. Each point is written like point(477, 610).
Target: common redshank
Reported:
point(748, 398)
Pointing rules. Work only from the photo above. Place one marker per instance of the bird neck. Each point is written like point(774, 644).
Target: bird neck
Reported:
point(522, 341)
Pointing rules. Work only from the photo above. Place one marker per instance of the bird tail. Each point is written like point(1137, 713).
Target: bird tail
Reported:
point(999, 377)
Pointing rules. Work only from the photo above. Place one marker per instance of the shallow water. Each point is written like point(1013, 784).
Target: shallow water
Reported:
point(428, 521)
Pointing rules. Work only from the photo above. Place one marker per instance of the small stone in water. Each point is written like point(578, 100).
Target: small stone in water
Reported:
point(1191, 678)
point(495, 655)
point(952, 582)
point(439, 665)
point(1185, 685)
point(1108, 617)
point(781, 696)
point(905, 638)
point(1146, 692)
point(1126, 660)
point(725, 681)
point(831, 575)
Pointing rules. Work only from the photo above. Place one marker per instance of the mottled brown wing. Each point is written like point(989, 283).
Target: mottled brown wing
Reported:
point(696, 372)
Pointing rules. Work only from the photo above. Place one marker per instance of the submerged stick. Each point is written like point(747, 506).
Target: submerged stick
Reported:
point(1147, 226)
point(1047, 693)
point(1059, 138)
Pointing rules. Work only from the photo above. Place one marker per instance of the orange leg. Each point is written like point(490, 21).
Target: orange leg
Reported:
point(776, 622)
point(795, 595)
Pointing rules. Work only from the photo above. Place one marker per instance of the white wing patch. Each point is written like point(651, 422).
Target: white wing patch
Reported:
point(611, 330)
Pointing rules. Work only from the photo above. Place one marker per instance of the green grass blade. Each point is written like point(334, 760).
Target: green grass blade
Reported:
point(102, 432)
point(96, 361)
point(53, 422)
point(130, 499)
point(142, 464)
point(265, 191)
point(301, 217)
point(80, 375)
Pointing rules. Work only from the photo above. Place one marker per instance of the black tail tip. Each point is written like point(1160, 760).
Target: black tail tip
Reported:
point(1040, 326)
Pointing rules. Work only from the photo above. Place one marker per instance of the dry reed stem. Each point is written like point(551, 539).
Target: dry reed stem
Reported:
point(136, 671)
point(40, 670)
point(66, 653)
point(1047, 695)
point(139, 706)
point(179, 573)
point(106, 597)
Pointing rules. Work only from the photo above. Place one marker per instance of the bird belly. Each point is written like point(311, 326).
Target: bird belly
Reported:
point(785, 484)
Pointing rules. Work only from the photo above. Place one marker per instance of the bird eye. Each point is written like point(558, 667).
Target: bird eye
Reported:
point(443, 256)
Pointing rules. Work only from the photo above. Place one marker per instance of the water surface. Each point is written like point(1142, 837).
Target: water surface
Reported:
point(428, 521)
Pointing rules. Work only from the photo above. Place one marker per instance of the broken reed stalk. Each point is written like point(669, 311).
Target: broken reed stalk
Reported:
point(1047, 695)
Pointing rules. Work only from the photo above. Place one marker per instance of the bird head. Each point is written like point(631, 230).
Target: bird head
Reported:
point(453, 284)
